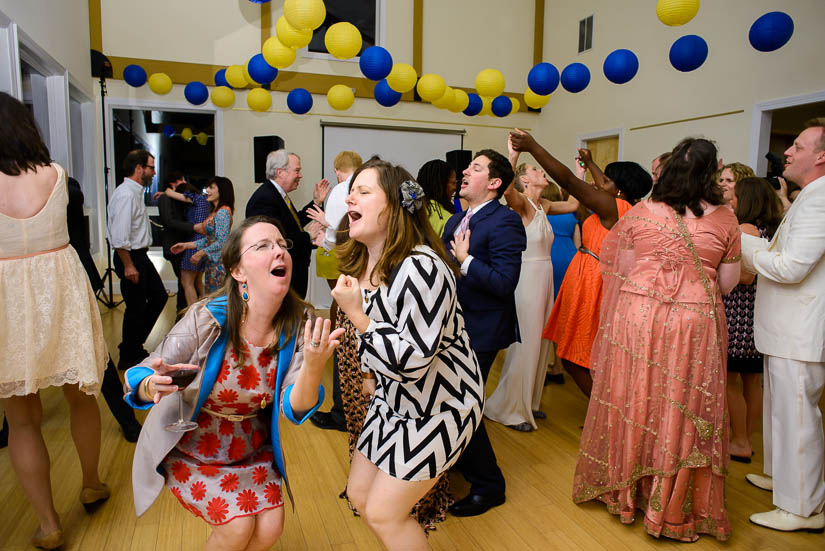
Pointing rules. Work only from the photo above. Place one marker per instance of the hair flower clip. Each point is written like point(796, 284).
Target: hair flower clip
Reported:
point(411, 196)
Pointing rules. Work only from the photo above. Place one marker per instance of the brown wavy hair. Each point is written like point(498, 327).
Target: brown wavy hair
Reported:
point(758, 204)
point(21, 147)
point(689, 177)
point(405, 230)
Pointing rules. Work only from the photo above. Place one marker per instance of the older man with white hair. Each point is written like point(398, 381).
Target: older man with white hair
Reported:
point(283, 172)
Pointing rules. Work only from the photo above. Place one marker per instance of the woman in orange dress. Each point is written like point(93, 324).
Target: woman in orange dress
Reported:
point(574, 319)
point(656, 434)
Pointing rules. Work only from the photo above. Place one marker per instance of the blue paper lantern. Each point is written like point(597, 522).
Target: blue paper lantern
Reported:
point(196, 93)
point(220, 79)
point(688, 53)
point(259, 1)
point(168, 130)
point(543, 79)
point(299, 101)
point(375, 63)
point(261, 71)
point(134, 75)
point(475, 105)
point(771, 31)
point(502, 106)
point(575, 77)
point(620, 66)
point(385, 95)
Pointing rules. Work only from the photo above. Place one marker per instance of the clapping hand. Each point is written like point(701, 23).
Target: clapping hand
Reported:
point(316, 233)
point(315, 213)
point(319, 342)
point(319, 193)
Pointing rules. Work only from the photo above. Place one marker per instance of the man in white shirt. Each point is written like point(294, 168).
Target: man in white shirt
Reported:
point(789, 329)
point(130, 236)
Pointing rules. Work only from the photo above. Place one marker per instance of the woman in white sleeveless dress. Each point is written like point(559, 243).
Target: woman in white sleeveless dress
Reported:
point(517, 397)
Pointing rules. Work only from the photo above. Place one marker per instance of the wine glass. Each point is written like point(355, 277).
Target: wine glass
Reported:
point(175, 348)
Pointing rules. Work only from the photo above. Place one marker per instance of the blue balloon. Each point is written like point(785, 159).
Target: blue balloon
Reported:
point(543, 78)
point(168, 130)
point(688, 53)
point(502, 106)
point(196, 93)
point(220, 79)
point(261, 71)
point(575, 77)
point(771, 31)
point(299, 101)
point(134, 75)
point(385, 95)
point(621, 66)
point(475, 105)
point(375, 63)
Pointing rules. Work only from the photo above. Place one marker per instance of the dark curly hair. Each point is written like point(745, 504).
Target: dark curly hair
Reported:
point(689, 177)
point(432, 177)
point(630, 178)
point(21, 147)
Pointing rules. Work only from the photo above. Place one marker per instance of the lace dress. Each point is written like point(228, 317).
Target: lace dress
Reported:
point(50, 329)
point(223, 469)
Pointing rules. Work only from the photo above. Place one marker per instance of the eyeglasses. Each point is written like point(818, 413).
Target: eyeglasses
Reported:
point(268, 245)
point(149, 166)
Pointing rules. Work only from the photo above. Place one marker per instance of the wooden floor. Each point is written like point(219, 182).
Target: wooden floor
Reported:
point(538, 514)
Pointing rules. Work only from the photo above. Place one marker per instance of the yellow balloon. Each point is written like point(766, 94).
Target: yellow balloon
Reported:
point(202, 138)
point(431, 87)
point(486, 105)
point(490, 82)
point(402, 77)
point(248, 78)
point(223, 96)
point(259, 99)
point(534, 100)
point(676, 12)
point(186, 134)
point(460, 101)
point(160, 83)
point(516, 104)
point(340, 97)
point(276, 54)
point(343, 40)
point(235, 76)
point(305, 14)
point(290, 36)
point(446, 99)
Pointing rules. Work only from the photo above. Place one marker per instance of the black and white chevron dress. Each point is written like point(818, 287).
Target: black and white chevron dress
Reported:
point(430, 392)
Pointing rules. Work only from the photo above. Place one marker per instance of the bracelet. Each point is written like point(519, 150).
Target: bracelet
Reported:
point(145, 384)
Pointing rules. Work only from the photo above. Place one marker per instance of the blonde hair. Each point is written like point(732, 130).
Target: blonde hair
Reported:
point(739, 171)
point(347, 161)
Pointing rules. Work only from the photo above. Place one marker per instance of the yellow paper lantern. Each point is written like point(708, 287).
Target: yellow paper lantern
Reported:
point(235, 76)
point(276, 54)
point(248, 78)
point(486, 105)
point(186, 134)
point(305, 14)
point(402, 77)
point(676, 12)
point(259, 99)
point(202, 138)
point(460, 101)
point(343, 40)
point(290, 36)
point(534, 100)
point(431, 87)
point(223, 96)
point(340, 97)
point(446, 99)
point(490, 82)
point(160, 83)
point(516, 104)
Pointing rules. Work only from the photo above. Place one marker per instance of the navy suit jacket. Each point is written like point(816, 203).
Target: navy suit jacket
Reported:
point(487, 292)
point(267, 201)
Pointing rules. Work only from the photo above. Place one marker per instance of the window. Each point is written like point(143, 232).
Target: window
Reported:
point(585, 34)
point(366, 15)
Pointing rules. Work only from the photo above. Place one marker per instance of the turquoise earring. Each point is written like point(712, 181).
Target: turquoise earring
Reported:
point(244, 293)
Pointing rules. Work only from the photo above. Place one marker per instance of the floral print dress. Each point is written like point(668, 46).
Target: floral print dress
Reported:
point(223, 469)
point(217, 232)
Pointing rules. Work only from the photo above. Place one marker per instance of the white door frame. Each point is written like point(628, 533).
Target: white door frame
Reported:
point(618, 132)
point(761, 120)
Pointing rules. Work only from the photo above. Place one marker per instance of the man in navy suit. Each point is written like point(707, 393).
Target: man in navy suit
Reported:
point(486, 241)
point(283, 172)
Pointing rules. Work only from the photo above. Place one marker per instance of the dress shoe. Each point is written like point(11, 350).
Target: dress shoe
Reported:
point(327, 421)
point(539, 414)
point(131, 431)
point(522, 427)
point(761, 482)
point(91, 498)
point(782, 520)
point(740, 458)
point(554, 379)
point(52, 540)
point(475, 504)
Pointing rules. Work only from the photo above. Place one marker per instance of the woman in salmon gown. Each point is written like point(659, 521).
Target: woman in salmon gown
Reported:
point(656, 434)
point(573, 321)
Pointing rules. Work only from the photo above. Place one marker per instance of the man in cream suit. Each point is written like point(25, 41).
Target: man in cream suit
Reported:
point(789, 329)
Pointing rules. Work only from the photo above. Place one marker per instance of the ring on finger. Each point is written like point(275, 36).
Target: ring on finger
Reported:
point(315, 344)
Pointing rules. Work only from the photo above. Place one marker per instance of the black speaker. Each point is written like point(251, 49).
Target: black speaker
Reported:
point(263, 145)
point(459, 159)
point(101, 66)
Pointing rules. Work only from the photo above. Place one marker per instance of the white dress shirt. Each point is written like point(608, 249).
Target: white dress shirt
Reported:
point(465, 266)
point(334, 211)
point(128, 226)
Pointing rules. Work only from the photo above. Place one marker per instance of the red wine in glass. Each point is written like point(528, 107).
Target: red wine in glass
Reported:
point(177, 349)
point(182, 377)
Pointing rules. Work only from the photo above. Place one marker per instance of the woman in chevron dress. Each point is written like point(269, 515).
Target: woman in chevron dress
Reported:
point(399, 292)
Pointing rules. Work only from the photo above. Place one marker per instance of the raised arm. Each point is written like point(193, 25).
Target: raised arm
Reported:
point(600, 202)
point(514, 198)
